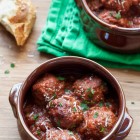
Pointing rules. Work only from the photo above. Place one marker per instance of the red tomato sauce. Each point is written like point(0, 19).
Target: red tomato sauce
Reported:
point(123, 13)
point(70, 107)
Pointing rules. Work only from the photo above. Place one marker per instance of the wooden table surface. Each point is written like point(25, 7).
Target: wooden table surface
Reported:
point(27, 58)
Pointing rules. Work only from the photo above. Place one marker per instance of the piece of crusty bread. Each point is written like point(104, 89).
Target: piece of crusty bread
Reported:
point(18, 17)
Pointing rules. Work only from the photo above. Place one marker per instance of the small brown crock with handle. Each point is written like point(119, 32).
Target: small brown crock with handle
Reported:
point(107, 36)
point(71, 64)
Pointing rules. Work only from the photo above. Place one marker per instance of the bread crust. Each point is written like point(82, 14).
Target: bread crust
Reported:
point(20, 25)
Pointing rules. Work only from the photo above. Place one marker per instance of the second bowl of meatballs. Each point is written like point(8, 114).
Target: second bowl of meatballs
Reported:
point(70, 98)
point(112, 24)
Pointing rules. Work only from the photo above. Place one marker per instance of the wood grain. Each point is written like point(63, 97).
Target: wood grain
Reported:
point(27, 58)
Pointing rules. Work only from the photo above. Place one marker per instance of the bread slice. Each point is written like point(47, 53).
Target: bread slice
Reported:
point(18, 17)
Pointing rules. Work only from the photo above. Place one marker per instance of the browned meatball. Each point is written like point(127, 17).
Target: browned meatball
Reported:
point(117, 5)
point(65, 112)
point(59, 134)
point(37, 120)
point(32, 113)
point(98, 121)
point(90, 88)
point(47, 88)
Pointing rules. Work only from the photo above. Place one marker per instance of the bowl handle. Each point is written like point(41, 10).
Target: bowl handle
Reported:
point(125, 126)
point(13, 96)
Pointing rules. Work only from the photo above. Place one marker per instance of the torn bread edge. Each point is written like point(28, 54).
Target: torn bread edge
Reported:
point(21, 24)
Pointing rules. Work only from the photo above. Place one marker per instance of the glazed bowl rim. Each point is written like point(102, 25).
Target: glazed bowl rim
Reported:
point(111, 27)
point(56, 60)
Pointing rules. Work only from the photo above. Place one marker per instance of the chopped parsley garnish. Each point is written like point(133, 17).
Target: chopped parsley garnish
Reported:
point(38, 132)
point(58, 123)
point(107, 104)
point(100, 104)
point(84, 106)
point(86, 102)
point(54, 95)
point(102, 129)
point(67, 91)
point(96, 115)
point(90, 90)
point(74, 109)
point(36, 117)
point(7, 72)
point(61, 78)
point(118, 15)
point(70, 132)
point(90, 96)
point(60, 104)
point(12, 65)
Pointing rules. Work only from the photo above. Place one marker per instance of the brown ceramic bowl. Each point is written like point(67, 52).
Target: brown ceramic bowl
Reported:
point(117, 39)
point(70, 65)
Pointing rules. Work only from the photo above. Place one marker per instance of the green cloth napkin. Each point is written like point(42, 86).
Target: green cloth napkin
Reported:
point(63, 35)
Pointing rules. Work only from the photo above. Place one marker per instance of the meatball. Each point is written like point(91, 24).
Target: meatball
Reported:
point(37, 116)
point(47, 88)
point(37, 120)
point(98, 121)
point(65, 112)
point(59, 134)
point(90, 89)
point(120, 5)
point(32, 113)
